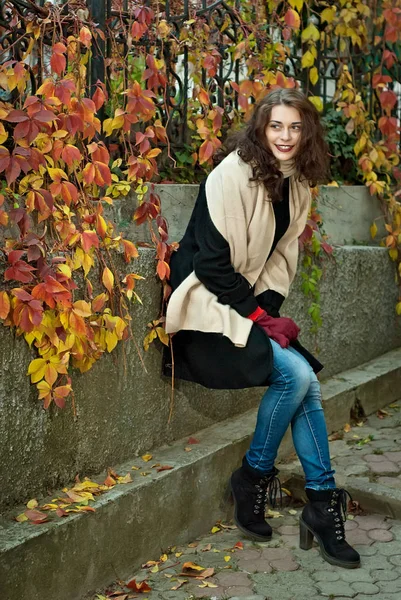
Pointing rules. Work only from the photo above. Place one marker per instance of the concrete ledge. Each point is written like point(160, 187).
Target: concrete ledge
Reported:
point(81, 552)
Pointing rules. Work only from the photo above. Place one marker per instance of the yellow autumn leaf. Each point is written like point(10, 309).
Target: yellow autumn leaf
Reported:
point(398, 308)
point(32, 504)
point(307, 59)
point(208, 584)
point(108, 280)
point(36, 369)
point(164, 557)
point(298, 4)
point(65, 270)
point(317, 102)
point(3, 134)
point(328, 14)
point(313, 75)
point(126, 479)
point(21, 518)
point(227, 558)
point(373, 230)
point(147, 457)
point(154, 569)
point(82, 308)
point(57, 173)
point(310, 33)
point(347, 427)
point(215, 529)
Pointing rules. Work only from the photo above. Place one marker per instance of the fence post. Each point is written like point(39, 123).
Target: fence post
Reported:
point(97, 70)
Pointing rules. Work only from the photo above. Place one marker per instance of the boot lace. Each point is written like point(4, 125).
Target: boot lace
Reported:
point(338, 507)
point(267, 491)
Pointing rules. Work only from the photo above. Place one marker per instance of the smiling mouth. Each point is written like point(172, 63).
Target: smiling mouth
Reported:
point(284, 148)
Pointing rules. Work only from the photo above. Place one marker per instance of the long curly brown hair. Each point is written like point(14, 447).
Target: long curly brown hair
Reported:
point(311, 159)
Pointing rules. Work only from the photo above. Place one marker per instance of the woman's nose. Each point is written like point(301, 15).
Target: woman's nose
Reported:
point(286, 134)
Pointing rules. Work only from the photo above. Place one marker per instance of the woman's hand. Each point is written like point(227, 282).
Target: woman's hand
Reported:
point(282, 329)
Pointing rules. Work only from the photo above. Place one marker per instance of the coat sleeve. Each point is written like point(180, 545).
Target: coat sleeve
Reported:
point(212, 264)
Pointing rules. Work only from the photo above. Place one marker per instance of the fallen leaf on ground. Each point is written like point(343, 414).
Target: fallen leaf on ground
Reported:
point(286, 492)
point(21, 518)
point(208, 584)
point(187, 449)
point(136, 468)
point(226, 526)
point(140, 588)
point(206, 573)
point(381, 414)
point(147, 457)
point(150, 563)
point(155, 569)
point(36, 517)
point(32, 504)
point(180, 582)
point(193, 440)
point(191, 566)
point(338, 435)
point(206, 548)
point(292, 511)
point(274, 514)
point(109, 481)
point(227, 558)
point(215, 529)
point(165, 468)
point(126, 479)
point(178, 554)
point(347, 427)
point(239, 546)
point(193, 545)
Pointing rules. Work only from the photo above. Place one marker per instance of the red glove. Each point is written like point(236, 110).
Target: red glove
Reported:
point(281, 329)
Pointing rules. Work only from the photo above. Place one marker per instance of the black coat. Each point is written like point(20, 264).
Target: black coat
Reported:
point(211, 359)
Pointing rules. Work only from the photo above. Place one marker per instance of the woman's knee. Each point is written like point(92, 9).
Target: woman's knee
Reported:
point(294, 373)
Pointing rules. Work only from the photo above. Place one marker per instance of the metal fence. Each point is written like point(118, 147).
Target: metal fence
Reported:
point(224, 20)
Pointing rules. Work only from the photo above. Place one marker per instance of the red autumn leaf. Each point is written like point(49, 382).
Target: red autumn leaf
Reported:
point(60, 512)
point(70, 153)
point(205, 151)
point(19, 270)
point(89, 239)
point(140, 588)
point(292, 19)
point(388, 100)
point(85, 37)
point(380, 80)
point(137, 30)
point(99, 98)
point(58, 61)
point(192, 440)
point(89, 173)
point(239, 546)
point(164, 468)
point(36, 516)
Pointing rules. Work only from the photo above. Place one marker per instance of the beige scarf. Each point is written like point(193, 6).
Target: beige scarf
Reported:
point(241, 212)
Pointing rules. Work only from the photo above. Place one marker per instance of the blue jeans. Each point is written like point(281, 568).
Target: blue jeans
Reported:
point(293, 397)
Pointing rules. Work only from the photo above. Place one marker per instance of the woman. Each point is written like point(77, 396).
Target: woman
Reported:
point(229, 277)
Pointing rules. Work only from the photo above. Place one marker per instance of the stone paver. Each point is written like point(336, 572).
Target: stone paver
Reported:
point(279, 569)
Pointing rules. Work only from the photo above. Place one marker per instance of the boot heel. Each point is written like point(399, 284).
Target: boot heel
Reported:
point(305, 536)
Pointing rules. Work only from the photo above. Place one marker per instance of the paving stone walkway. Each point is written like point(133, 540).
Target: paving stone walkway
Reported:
point(233, 567)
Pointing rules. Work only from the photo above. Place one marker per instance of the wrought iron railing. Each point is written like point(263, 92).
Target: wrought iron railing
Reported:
point(223, 17)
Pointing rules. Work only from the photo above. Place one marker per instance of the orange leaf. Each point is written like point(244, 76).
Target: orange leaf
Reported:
point(130, 250)
point(108, 280)
point(109, 481)
point(4, 305)
point(89, 239)
point(141, 588)
point(164, 468)
point(99, 302)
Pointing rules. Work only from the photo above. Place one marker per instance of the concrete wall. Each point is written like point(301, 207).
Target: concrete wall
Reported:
point(122, 411)
point(347, 212)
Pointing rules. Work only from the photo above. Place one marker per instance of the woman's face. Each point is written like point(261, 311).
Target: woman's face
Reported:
point(283, 131)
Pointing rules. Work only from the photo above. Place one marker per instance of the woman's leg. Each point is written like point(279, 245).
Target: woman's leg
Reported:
point(288, 386)
point(309, 434)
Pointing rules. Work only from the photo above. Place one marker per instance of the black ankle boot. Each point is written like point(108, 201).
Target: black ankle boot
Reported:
point(251, 489)
point(324, 518)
